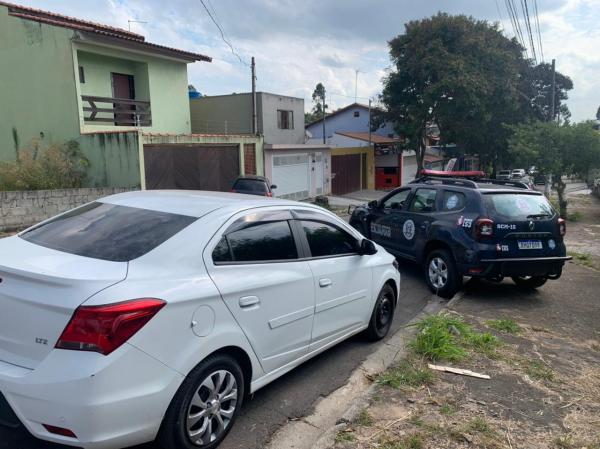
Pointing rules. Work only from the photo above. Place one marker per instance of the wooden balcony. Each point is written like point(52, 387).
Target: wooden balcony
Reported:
point(118, 111)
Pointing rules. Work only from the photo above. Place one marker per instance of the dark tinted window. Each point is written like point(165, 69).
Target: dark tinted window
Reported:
point(250, 185)
point(453, 201)
point(221, 253)
point(423, 201)
point(326, 240)
point(518, 206)
point(108, 232)
point(396, 201)
point(262, 242)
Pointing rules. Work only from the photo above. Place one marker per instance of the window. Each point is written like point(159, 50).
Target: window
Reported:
point(327, 240)
point(356, 113)
point(107, 231)
point(285, 119)
point(518, 206)
point(250, 185)
point(424, 201)
point(257, 242)
point(81, 75)
point(396, 201)
point(453, 201)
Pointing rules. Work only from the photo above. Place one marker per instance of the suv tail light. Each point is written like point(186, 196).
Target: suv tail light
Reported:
point(484, 227)
point(104, 328)
point(562, 227)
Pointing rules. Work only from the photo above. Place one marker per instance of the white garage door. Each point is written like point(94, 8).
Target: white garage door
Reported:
point(291, 175)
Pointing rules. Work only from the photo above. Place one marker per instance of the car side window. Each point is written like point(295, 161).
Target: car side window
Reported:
point(423, 201)
point(327, 240)
point(453, 201)
point(259, 242)
point(397, 200)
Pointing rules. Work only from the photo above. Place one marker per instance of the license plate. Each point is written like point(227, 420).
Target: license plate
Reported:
point(530, 244)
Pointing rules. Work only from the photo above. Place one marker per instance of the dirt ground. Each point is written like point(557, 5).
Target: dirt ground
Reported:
point(583, 229)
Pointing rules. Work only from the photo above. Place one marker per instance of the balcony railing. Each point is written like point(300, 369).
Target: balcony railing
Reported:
point(119, 111)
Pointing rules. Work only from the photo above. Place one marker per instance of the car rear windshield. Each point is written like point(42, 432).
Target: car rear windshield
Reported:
point(518, 206)
point(250, 185)
point(107, 231)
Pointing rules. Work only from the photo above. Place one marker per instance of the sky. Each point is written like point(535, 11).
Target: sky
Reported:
point(300, 43)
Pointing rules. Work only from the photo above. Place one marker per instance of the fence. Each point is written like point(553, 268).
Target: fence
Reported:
point(24, 208)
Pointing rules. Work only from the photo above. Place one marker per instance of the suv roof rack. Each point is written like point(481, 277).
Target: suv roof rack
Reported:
point(504, 182)
point(448, 181)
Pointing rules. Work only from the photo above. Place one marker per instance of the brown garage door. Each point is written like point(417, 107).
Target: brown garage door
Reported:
point(347, 173)
point(191, 166)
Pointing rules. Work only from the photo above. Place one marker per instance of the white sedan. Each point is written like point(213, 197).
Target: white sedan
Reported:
point(152, 315)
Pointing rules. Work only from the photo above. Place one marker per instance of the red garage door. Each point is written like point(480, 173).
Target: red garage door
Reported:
point(345, 171)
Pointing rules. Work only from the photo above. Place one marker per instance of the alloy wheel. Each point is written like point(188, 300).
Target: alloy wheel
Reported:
point(384, 312)
point(438, 272)
point(212, 407)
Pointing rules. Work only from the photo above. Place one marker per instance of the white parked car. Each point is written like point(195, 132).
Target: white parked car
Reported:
point(517, 173)
point(152, 315)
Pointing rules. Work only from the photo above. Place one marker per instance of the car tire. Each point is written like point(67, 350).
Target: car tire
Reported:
point(360, 227)
point(529, 282)
point(214, 388)
point(441, 273)
point(382, 315)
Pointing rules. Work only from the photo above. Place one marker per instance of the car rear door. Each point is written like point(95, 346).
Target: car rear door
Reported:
point(256, 267)
point(342, 279)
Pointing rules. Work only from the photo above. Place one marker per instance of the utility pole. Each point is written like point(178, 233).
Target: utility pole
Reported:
point(254, 117)
point(323, 118)
point(356, 85)
point(369, 123)
point(553, 88)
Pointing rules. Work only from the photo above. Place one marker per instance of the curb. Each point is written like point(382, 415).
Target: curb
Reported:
point(334, 412)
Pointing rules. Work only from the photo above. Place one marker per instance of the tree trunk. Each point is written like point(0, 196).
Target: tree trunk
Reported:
point(560, 187)
point(420, 151)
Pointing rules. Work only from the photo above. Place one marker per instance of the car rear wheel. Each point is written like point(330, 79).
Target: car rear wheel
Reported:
point(205, 406)
point(529, 282)
point(383, 314)
point(441, 274)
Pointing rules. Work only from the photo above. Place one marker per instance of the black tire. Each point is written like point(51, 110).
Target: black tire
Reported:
point(360, 227)
point(382, 315)
point(529, 282)
point(174, 432)
point(441, 274)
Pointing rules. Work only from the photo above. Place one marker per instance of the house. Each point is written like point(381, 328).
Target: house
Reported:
point(297, 169)
point(112, 92)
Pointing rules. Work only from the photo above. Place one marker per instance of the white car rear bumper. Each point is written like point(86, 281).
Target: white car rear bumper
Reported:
point(109, 402)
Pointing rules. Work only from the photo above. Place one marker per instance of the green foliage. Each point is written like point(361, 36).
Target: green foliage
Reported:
point(344, 436)
point(447, 409)
point(575, 216)
point(504, 325)
point(364, 419)
point(408, 373)
point(412, 441)
point(58, 167)
point(583, 259)
point(539, 371)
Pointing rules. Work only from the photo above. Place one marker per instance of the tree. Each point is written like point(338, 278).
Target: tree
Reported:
point(316, 112)
point(537, 87)
point(557, 150)
point(598, 113)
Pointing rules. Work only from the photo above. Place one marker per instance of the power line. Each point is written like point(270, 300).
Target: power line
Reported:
point(500, 15)
point(539, 34)
point(223, 35)
point(528, 26)
point(516, 23)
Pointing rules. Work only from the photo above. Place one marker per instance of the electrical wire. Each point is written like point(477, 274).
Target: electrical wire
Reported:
point(528, 27)
point(500, 15)
point(539, 34)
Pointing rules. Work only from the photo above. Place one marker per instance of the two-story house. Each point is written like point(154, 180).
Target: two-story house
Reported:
point(120, 97)
point(299, 170)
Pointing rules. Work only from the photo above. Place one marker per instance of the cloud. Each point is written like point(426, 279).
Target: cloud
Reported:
point(298, 44)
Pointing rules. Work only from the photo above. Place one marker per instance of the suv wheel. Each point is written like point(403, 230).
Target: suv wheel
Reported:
point(529, 282)
point(441, 274)
point(383, 314)
point(360, 227)
point(205, 406)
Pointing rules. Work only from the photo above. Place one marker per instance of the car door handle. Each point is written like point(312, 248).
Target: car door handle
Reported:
point(325, 282)
point(248, 301)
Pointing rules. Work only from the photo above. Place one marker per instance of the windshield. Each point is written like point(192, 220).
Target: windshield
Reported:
point(107, 231)
point(250, 185)
point(518, 206)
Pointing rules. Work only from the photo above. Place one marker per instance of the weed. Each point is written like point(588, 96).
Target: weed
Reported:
point(537, 370)
point(582, 258)
point(413, 441)
point(344, 436)
point(504, 325)
point(574, 216)
point(408, 373)
point(364, 419)
point(447, 409)
point(563, 442)
point(478, 425)
point(484, 342)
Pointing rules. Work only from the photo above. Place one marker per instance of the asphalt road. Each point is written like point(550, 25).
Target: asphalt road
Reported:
point(293, 395)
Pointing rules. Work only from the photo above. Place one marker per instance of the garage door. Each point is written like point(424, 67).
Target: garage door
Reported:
point(291, 175)
point(191, 166)
point(345, 171)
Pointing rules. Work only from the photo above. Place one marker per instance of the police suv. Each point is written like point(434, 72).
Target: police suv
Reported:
point(459, 227)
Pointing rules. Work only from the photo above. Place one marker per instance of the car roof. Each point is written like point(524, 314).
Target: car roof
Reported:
point(253, 177)
point(485, 185)
point(194, 203)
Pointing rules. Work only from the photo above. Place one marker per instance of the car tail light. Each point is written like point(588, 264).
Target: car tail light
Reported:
point(59, 431)
point(484, 227)
point(104, 328)
point(233, 191)
point(562, 227)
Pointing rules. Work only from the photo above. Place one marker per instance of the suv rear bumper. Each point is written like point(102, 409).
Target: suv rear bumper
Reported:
point(524, 266)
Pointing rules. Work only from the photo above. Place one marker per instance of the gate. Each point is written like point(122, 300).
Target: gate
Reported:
point(345, 170)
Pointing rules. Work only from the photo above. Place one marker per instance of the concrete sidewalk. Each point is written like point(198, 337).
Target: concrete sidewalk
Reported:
point(355, 198)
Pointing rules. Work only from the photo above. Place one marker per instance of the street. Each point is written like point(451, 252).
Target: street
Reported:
point(293, 395)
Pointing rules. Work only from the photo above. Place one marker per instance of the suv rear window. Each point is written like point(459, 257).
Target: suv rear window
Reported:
point(250, 185)
point(108, 231)
point(518, 206)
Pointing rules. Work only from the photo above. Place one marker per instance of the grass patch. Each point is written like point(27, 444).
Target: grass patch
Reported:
point(539, 371)
point(583, 259)
point(344, 436)
point(575, 216)
point(504, 325)
point(364, 419)
point(479, 425)
point(408, 373)
point(448, 409)
point(413, 441)
point(563, 442)
point(446, 337)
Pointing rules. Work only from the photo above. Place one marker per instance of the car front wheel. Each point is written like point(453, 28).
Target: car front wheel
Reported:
point(441, 274)
point(205, 406)
point(529, 282)
point(382, 315)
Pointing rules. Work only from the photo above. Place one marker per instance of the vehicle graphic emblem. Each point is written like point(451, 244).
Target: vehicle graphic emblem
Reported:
point(531, 225)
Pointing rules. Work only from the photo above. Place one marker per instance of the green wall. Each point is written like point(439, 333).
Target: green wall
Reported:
point(37, 84)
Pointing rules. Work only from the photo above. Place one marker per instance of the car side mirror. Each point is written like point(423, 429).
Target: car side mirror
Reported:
point(367, 247)
point(273, 186)
point(373, 204)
